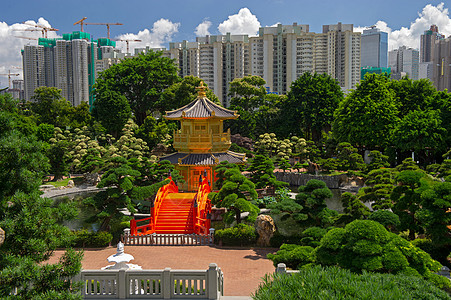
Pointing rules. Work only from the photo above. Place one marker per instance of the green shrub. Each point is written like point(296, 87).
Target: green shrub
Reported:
point(239, 235)
point(318, 282)
point(279, 239)
point(386, 218)
point(85, 238)
point(365, 245)
point(439, 253)
point(312, 236)
point(293, 256)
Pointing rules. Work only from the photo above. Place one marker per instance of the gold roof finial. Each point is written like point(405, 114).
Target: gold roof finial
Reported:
point(201, 90)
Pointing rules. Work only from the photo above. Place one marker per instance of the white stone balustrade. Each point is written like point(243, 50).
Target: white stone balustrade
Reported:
point(152, 284)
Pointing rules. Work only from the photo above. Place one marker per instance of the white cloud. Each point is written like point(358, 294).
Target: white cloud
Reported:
point(161, 32)
point(10, 45)
point(410, 36)
point(242, 23)
point(202, 28)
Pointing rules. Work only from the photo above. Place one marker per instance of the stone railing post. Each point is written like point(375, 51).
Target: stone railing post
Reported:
point(167, 285)
point(444, 271)
point(121, 285)
point(212, 281)
point(212, 235)
point(281, 268)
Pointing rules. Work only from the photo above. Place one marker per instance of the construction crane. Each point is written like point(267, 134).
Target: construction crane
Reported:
point(9, 74)
point(128, 41)
point(38, 27)
point(107, 26)
point(82, 22)
point(26, 37)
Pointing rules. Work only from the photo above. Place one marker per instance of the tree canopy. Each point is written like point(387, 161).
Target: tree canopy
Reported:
point(311, 103)
point(368, 114)
point(141, 80)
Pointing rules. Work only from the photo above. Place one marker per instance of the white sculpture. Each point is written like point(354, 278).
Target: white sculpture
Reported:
point(121, 259)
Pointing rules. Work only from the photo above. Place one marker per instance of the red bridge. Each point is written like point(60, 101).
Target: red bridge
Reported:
point(177, 213)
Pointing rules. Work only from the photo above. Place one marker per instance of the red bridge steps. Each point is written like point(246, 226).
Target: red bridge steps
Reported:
point(176, 214)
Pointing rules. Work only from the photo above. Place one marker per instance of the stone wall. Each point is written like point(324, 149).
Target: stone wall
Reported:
point(332, 182)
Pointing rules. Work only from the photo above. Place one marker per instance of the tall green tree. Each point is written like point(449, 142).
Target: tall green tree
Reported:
point(368, 114)
point(141, 80)
point(183, 92)
point(247, 92)
point(311, 103)
point(50, 106)
point(112, 110)
point(22, 159)
point(412, 95)
point(422, 132)
point(33, 231)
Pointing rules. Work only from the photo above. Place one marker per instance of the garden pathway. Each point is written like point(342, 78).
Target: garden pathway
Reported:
point(243, 268)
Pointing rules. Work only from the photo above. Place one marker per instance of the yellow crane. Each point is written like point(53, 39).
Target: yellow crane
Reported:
point(9, 74)
point(128, 41)
point(38, 27)
point(82, 22)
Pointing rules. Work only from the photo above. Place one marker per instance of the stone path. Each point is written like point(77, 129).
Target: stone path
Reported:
point(79, 189)
point(243, 268)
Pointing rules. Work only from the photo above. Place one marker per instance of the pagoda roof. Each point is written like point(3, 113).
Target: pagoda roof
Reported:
point(201, 108)
point(204, 159)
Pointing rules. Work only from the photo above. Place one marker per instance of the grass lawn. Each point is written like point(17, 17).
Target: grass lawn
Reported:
point(63, 182)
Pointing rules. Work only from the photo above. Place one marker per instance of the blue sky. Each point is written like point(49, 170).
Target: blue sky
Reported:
point(159, 22)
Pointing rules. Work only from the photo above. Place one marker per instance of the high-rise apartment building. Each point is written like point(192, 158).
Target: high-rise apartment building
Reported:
point(279, 55)
point(442, 64)
point(374, 48)
point(404, 60)
point(343, 59)
point(427, 41)
point(70, 63)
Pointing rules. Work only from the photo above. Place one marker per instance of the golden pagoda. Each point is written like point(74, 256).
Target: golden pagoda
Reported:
point(201, 142)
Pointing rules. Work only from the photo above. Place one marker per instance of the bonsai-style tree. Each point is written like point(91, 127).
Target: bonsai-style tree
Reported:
point(220, 173)
point(262, 173)
point(118, 182)
point(235, 195)
point(312, 197)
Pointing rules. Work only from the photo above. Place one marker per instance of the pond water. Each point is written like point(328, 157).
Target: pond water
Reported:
point(84, 212)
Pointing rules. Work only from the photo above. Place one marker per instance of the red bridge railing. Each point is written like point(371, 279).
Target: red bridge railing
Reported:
point(149, 228)
point(202, 213)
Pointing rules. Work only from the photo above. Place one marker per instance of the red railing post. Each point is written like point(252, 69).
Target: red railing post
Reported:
point(133, 228)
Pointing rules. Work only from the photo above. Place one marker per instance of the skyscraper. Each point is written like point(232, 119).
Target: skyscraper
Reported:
point(374, 48)
point(442, 64)
point(427, 41)
point(68, 63)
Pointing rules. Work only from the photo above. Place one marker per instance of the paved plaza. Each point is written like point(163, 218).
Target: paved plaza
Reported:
point(243, 268)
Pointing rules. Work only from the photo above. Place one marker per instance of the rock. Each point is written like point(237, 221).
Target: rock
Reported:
point(91, 178)
point(265, 228)
point(70, 184)
point(46, 187)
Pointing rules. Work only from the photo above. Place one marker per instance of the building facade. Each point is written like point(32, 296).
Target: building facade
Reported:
point(279, 54)
point(70, 63)
point(427, 42)
point(374, 48)
point(442, 64)
point(404, 60)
